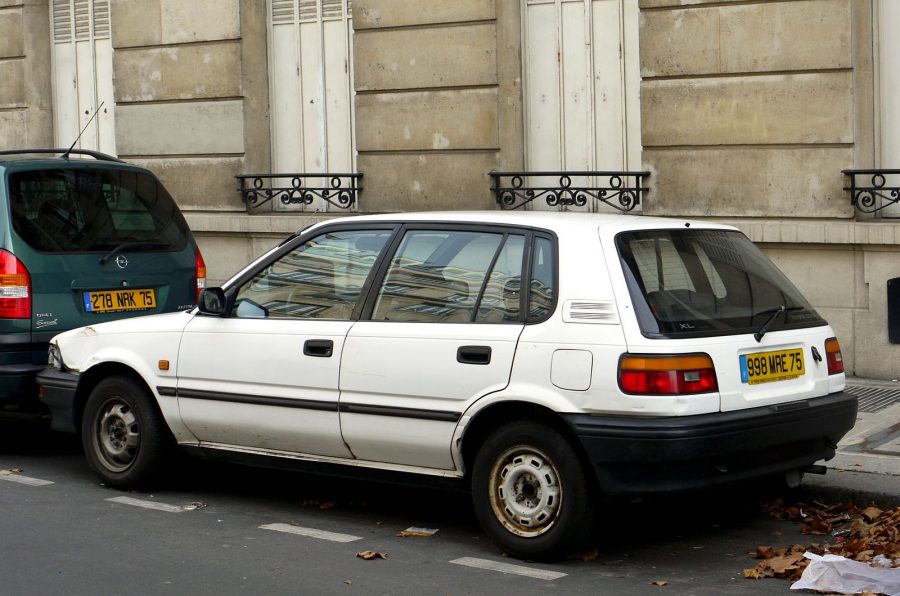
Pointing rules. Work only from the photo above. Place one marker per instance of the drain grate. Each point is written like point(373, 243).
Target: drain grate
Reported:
point(874, 399)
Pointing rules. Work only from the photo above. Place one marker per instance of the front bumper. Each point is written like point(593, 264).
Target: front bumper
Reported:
point(58, 394)
point(661, 454)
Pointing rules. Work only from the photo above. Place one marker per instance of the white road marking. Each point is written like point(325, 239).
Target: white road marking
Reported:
point(147, 504)
point(311, 532)
point(25, 480)
point(508, 568)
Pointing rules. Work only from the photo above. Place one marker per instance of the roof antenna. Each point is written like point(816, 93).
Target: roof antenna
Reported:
point(72, 146)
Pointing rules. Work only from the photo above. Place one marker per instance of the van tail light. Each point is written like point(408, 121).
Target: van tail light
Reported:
point(833, 356)
point(199, 274)
point(667, 375)
point(15, 288)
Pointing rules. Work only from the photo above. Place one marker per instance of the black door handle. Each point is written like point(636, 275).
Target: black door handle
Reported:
point(474, 355)
point(320, 348)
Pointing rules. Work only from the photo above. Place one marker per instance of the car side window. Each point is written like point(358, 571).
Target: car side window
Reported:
point(320, 279)
point(543, 280)
point(501, 300)
point(436, 276)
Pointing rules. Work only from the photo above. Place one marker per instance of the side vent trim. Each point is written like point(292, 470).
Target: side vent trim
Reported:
point(598, 312)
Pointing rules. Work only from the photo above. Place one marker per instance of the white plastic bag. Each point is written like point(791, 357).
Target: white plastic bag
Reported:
point(832, 573)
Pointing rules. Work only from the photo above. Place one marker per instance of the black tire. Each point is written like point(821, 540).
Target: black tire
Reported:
point(531, 493)
point(124, 435)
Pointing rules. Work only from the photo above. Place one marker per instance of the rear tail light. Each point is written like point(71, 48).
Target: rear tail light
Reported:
point(833, 356)
point(199, 274)
point(15, 288)
point(667, 375)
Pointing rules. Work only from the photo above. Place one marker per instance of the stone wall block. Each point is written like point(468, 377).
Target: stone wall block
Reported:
point(804, 267)
point(12, 43)
point(12, 83)
point(191, 128)
point(800, 108)
point(14, 130)
point(162, 22)
point(178, 72)
point(425, 58)
point(135, 23)
point(748, 182)
point(427, 182)
point(457, 119)
point(876, 357)
point(373, 14)
point(199, 183)
point(777, 36)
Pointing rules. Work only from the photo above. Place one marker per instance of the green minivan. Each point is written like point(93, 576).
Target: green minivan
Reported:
point(84, 238)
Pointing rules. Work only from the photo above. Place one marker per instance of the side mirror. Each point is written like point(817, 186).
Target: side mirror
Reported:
point(212, 301)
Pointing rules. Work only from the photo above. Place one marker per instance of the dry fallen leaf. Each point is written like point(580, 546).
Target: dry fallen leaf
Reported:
point(348, 582)
point(371, 554)
point(659, 582)
point(871, 513)
point(764, 552)
point(859, 534)
point(414, 531)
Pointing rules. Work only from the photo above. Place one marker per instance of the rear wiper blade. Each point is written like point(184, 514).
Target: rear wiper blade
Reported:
point(774, 315)
point(129, 246)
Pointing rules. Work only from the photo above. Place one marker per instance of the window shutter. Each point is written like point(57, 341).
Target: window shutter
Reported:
point(82, 20)
point(309, 12)
point(62, 21)
point(101, 19)
point(282, 11)
point(332, 9)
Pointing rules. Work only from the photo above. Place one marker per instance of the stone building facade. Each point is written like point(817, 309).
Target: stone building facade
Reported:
point(744, 112)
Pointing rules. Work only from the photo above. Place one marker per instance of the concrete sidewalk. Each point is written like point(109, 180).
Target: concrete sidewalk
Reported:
point(867, 464)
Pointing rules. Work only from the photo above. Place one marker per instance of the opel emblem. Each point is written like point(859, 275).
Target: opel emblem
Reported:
point(121, 261)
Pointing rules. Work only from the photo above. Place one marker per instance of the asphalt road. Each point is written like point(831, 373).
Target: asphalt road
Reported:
point(220, 529)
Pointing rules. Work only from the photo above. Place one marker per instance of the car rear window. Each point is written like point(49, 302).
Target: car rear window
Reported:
point(83, 210)
point(707, 282)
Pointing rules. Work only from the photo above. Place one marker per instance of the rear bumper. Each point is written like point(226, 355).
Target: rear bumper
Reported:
point(58, 395)
point(17, 386)
point(651, 455)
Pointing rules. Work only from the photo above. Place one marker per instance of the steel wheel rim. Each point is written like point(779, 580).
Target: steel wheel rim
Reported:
point(118, 435)
point(525, 491)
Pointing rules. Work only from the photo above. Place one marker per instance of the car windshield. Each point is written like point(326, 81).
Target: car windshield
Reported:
point(86, 210)
point(707, 282)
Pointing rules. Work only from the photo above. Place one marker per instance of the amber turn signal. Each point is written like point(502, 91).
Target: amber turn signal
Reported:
point(833, 356)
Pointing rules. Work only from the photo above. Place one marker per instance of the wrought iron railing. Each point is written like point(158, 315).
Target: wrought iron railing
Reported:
point(340, 190)
point(870, 191)
point(620, 190)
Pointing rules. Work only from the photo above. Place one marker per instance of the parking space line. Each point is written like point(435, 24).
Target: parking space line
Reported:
point(508, 568)
point(25, 480)
point(311, 532)
point(146, 504)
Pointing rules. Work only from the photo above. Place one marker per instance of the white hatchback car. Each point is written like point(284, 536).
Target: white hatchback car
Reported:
point(546, 358)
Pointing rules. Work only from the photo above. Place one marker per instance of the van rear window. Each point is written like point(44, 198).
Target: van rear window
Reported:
point(85, 210)
point(707, 282)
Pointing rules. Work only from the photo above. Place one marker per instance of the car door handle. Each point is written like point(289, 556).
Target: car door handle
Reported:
point(474, 355)
point(320, 348)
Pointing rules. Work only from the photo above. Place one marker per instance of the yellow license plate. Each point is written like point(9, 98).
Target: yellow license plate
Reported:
point(778, 365)
point(119, 300)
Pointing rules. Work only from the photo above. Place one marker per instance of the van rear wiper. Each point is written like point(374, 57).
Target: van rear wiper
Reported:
point(774, 315)
point(131, 245)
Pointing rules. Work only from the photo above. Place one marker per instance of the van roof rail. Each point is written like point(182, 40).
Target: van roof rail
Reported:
point(89, 152)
